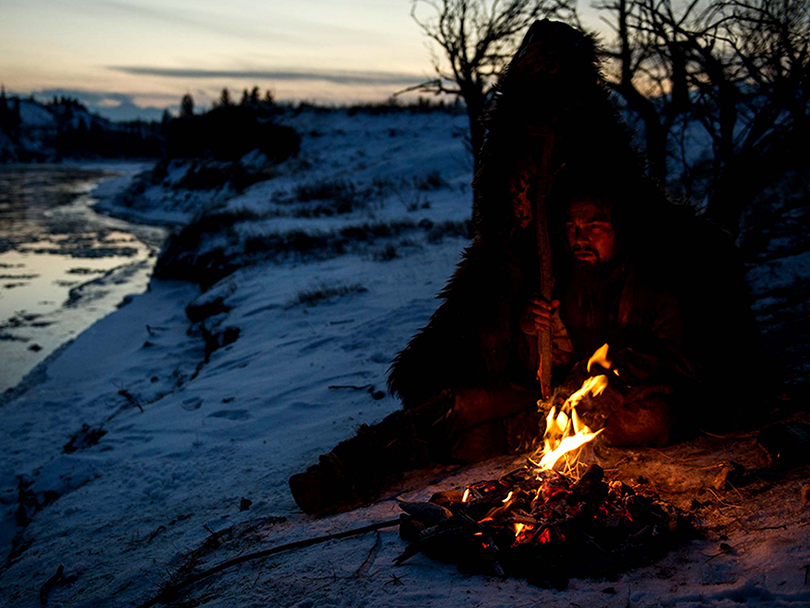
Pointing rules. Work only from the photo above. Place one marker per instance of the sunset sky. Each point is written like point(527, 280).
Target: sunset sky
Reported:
point(113, 53)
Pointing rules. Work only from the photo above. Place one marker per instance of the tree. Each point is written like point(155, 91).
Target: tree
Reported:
point(476, 39)
point(754, 98)
point(737, 68)
point(648, 68)
point(225, 98)
point(187, 106)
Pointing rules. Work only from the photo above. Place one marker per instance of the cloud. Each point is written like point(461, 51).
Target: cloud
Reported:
point(221, 23)
point(366, 77)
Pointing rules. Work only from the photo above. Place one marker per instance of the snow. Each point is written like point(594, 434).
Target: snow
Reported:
point(187, 438)
point(36, 115)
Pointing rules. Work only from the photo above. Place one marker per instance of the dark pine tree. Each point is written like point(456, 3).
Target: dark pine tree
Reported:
point(187, 105)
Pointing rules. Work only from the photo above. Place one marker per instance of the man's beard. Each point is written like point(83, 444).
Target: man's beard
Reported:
point(586, 275)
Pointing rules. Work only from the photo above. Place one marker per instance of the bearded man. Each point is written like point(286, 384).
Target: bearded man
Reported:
point(632, 270)
point(604, 298)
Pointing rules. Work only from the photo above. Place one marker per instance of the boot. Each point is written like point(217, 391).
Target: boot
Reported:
point(357, 470)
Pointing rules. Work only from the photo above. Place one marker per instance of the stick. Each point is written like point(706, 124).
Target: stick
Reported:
point(546, 286)
point(372, 554)
point(171, 590)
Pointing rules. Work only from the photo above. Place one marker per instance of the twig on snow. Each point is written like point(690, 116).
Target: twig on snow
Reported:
point(372, 554)
point(168, 593)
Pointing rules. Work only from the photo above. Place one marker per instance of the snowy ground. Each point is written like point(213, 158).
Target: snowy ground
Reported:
point(153, 485)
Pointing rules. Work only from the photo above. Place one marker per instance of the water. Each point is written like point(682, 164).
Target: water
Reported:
point(62, 265)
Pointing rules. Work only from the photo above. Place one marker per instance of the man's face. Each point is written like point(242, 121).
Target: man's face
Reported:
point(590, 232)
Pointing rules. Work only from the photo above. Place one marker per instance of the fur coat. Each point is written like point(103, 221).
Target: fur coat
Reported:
point(552, 109)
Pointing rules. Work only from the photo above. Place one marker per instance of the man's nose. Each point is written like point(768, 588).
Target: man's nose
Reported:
point(580, 236)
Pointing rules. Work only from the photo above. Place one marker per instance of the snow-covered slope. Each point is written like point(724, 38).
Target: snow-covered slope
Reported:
point(194, 401)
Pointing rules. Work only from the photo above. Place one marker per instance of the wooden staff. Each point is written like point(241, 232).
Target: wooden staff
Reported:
point(546, 287)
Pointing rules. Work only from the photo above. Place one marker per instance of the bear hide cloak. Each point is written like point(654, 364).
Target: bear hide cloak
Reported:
point(551, 129)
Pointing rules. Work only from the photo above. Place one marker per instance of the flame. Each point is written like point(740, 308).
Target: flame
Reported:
point(594, 386)
point(568, 444)
point(466, 495)
point(600, 357)
point(519, 528)
point(565, 431)
point(508, 497)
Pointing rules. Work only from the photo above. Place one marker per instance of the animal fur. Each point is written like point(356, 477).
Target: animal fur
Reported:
point(553, 87)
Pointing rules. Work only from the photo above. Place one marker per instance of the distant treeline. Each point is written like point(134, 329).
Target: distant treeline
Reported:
point(229, 129)
point(64, 128)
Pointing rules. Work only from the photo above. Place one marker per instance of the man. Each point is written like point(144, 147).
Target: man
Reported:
point(608, 300)
point(668, 312)
point(603, 299)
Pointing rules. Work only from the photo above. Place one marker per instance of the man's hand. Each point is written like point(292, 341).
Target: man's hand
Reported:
point(538, 316)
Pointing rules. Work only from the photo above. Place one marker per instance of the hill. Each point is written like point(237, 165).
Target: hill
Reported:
point(34, 131)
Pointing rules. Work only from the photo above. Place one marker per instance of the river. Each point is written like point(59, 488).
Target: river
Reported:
point(63, 266)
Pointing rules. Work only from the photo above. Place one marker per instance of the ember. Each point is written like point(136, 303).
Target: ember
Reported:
point(540, 523)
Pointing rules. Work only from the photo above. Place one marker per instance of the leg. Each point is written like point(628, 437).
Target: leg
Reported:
point(488, 423)
point(359, 468)
point(645, 422)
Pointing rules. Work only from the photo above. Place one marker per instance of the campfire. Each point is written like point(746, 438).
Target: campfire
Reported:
point(544, 522)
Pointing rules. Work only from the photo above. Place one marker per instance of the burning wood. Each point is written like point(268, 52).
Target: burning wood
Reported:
point(541, 523)
point(564, 432)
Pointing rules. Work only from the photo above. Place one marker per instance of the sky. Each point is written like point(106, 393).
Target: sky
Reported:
point(124, 56)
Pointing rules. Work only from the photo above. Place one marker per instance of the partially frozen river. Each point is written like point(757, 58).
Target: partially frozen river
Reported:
point(62, 265)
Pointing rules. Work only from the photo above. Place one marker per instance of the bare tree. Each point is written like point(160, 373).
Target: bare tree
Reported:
point(648, 66)
point(739, 68)
point(475, 40)
point(754, 97)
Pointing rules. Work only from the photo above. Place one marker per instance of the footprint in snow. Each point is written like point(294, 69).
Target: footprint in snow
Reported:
point(230, 414)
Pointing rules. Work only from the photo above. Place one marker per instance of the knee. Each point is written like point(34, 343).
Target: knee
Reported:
point(640, 423)
point(476, 406)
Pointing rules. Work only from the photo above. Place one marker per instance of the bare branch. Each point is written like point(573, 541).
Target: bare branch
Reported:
point(476, 39)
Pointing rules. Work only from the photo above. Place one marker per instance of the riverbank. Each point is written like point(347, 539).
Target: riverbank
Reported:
point(63, 265)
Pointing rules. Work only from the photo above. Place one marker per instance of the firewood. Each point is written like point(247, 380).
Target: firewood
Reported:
point(448, 498)
point(590, 486)
point(424, 544)
point(427, 513)
point(532, 521)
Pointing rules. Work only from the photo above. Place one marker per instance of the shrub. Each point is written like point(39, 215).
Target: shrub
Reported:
point(386, 254)
point(432, 181)
point(322, 293)
point(228, 133)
